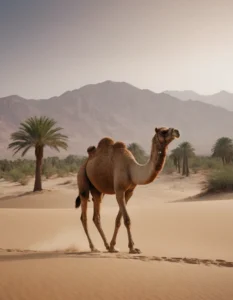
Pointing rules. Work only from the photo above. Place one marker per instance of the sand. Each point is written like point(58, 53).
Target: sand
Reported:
point(187, 246)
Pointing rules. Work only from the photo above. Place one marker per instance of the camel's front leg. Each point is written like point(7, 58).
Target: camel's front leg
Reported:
point(120, 195)
point(128, 195)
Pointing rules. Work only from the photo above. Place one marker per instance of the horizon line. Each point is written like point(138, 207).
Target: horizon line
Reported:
point(167, 91)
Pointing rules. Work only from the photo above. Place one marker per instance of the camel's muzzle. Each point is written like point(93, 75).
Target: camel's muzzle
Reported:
point(175, 133)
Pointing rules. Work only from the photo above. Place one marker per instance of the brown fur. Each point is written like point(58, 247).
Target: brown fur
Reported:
point(105, 142)
point(91, 149)
point(112, 169)
point(119, 145)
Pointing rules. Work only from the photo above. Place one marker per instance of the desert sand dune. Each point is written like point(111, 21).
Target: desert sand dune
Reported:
point(186, 246)
point(85, 278)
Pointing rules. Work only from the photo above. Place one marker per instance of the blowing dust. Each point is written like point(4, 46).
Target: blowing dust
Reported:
point(66, 240)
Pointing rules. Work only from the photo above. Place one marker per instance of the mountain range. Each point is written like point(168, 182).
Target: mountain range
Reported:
point(121, 111)
point(222, 99)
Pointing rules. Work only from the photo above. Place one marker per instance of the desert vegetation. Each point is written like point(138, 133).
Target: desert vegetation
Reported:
point(182, 153)
point(220, 180)
point(218, 167)
point(40, 132)
point(223, 148)
point(219, 177)
point(138, 152)
point(21, 170)
point(37, 133)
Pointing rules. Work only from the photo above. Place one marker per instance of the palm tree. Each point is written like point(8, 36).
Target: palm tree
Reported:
point(176, 156)
point(38, 132)
point(138, 152)
point(223, 148)
point(187, 152)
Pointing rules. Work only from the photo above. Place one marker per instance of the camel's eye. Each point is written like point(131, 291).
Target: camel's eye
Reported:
point(164, 132)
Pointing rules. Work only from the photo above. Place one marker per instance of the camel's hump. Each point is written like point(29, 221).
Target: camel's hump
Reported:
point(118, 145)
point(105, 142)
point(91, 149)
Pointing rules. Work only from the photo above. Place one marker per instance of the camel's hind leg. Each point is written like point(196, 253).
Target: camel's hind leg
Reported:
point(97, 198)
point(83, 198)
point(84, 202)
point(128, 195)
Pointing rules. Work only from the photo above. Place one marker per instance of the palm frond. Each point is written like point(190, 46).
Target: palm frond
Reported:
point(38, 131)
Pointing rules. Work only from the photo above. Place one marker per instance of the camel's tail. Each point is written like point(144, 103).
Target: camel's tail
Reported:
point(83, 184)
point(77, 202)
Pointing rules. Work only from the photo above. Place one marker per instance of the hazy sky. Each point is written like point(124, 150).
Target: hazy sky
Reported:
point(50, 46)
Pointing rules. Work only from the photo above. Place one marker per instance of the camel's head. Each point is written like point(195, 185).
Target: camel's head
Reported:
point(166, 135)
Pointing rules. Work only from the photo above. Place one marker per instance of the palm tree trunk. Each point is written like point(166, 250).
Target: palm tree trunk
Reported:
point(179, 165)
point(39, 157)
point(228, 160)
point(223, 160)
point(175, 163)
point(187, 166)
point(184, 164)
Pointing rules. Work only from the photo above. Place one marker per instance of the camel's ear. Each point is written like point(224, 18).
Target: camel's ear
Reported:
point(156, 130)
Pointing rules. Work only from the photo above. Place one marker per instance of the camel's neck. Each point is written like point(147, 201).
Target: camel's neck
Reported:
point(144, 174)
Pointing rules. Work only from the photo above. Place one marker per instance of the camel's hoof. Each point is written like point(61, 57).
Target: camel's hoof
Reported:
point(113, 250)
point(107, 247)
point(134, 251)
point(95, 250)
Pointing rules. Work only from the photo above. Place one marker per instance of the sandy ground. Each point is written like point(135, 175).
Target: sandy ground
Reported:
point(187, 246)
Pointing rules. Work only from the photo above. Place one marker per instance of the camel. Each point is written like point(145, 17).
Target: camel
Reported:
point(112, 169)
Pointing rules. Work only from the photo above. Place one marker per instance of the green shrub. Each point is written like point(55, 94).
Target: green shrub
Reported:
point(27, 169)
point(220, 181)
point(212, 164)
point(14, 175)
point(48, 171)
point(204, 163)
point(24, 180)
point(73, 168)
point(62, 172)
